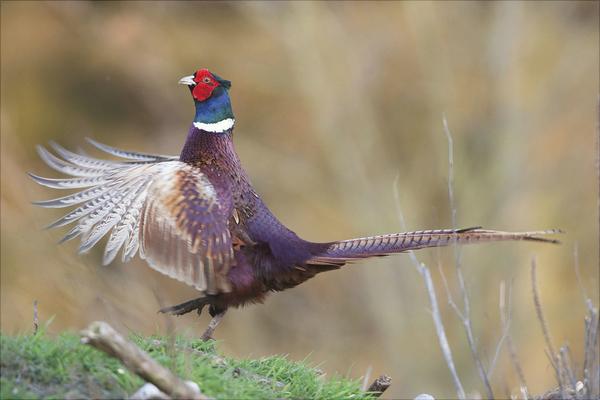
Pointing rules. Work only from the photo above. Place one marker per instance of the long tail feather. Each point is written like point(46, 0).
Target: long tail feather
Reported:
point(348, 250)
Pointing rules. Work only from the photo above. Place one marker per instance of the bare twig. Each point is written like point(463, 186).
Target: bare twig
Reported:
point(439, 327)
point(465, 315)
point(538, 308)
point(36, 322)
point(540, 315)
point(569, 387)
point(435, 311)
point(505, 315)
point(502, 305)
point(591, 363)
point(449, 295)
point(505, 319)
point(103, 337)
point(401, 218)
point(380, 385)
point(568, 375)
point(465, 319)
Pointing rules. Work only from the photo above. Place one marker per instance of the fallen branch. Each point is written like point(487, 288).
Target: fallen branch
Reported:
point(380, 385)
point(103, 337)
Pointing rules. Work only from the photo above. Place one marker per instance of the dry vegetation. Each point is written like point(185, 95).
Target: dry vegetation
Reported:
point(339, 111)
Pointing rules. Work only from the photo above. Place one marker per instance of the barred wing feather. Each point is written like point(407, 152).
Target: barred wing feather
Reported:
point(184, 230)
point(166, 209)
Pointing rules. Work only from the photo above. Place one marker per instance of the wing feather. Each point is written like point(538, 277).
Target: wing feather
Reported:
point(64, 167)
point(125, 228)
point(181, 220)
point(131, 155)
point(69, 183)
point(111, 217)
point(163, 208)
point(81, 211)
point(86, 224)
point(81, 160)
point(74, 199)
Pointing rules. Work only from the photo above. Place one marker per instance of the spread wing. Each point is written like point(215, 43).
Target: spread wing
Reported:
point(166, 209)
point(184, 231)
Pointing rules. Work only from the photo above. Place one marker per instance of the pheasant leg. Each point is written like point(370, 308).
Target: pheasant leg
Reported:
point(212, 325)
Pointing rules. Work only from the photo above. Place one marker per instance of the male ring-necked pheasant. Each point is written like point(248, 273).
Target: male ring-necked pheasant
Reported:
point(196, 217)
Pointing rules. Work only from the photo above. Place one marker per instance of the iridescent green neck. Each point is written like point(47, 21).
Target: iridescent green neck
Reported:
point(214, 109)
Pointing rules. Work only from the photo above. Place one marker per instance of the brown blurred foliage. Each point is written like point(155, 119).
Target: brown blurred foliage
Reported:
point(334, 103)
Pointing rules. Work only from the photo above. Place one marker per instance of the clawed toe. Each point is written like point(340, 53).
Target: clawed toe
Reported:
point(198, 304)
point(184, 308)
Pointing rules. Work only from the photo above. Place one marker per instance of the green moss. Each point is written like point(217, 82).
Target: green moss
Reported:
point(40, 366)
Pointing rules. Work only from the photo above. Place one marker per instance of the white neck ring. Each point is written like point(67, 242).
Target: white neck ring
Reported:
point(216, 127)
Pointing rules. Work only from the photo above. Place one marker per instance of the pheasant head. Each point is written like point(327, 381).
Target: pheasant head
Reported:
point(211, 97)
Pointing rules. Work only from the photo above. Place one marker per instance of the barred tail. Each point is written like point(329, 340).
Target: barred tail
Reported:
point(348, 250)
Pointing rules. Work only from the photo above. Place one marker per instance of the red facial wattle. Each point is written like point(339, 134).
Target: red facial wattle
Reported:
point(205, 85)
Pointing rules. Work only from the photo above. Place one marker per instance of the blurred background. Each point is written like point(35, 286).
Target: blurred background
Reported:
point(339, 110)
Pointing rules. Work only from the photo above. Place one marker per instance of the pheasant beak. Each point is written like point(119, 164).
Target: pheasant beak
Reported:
point(187, 80)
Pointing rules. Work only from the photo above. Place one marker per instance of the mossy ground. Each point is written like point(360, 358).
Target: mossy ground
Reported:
point(41, 366)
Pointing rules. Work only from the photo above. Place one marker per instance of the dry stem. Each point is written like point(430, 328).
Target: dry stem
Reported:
point(540, 315)
point(591, 369)
point(435, 311)
point(503, 299)
point(36, 322)
point(505, 318)
point(439, 327)
point(465, 315)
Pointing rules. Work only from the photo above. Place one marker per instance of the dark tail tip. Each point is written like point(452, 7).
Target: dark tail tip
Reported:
point(472, 228)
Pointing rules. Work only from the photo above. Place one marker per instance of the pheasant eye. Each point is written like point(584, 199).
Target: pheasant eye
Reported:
point(206, 80)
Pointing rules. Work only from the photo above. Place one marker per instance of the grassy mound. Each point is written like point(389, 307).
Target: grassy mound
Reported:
point(40, 366)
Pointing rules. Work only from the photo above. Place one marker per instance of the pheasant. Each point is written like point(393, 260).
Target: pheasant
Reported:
point(196, 217)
